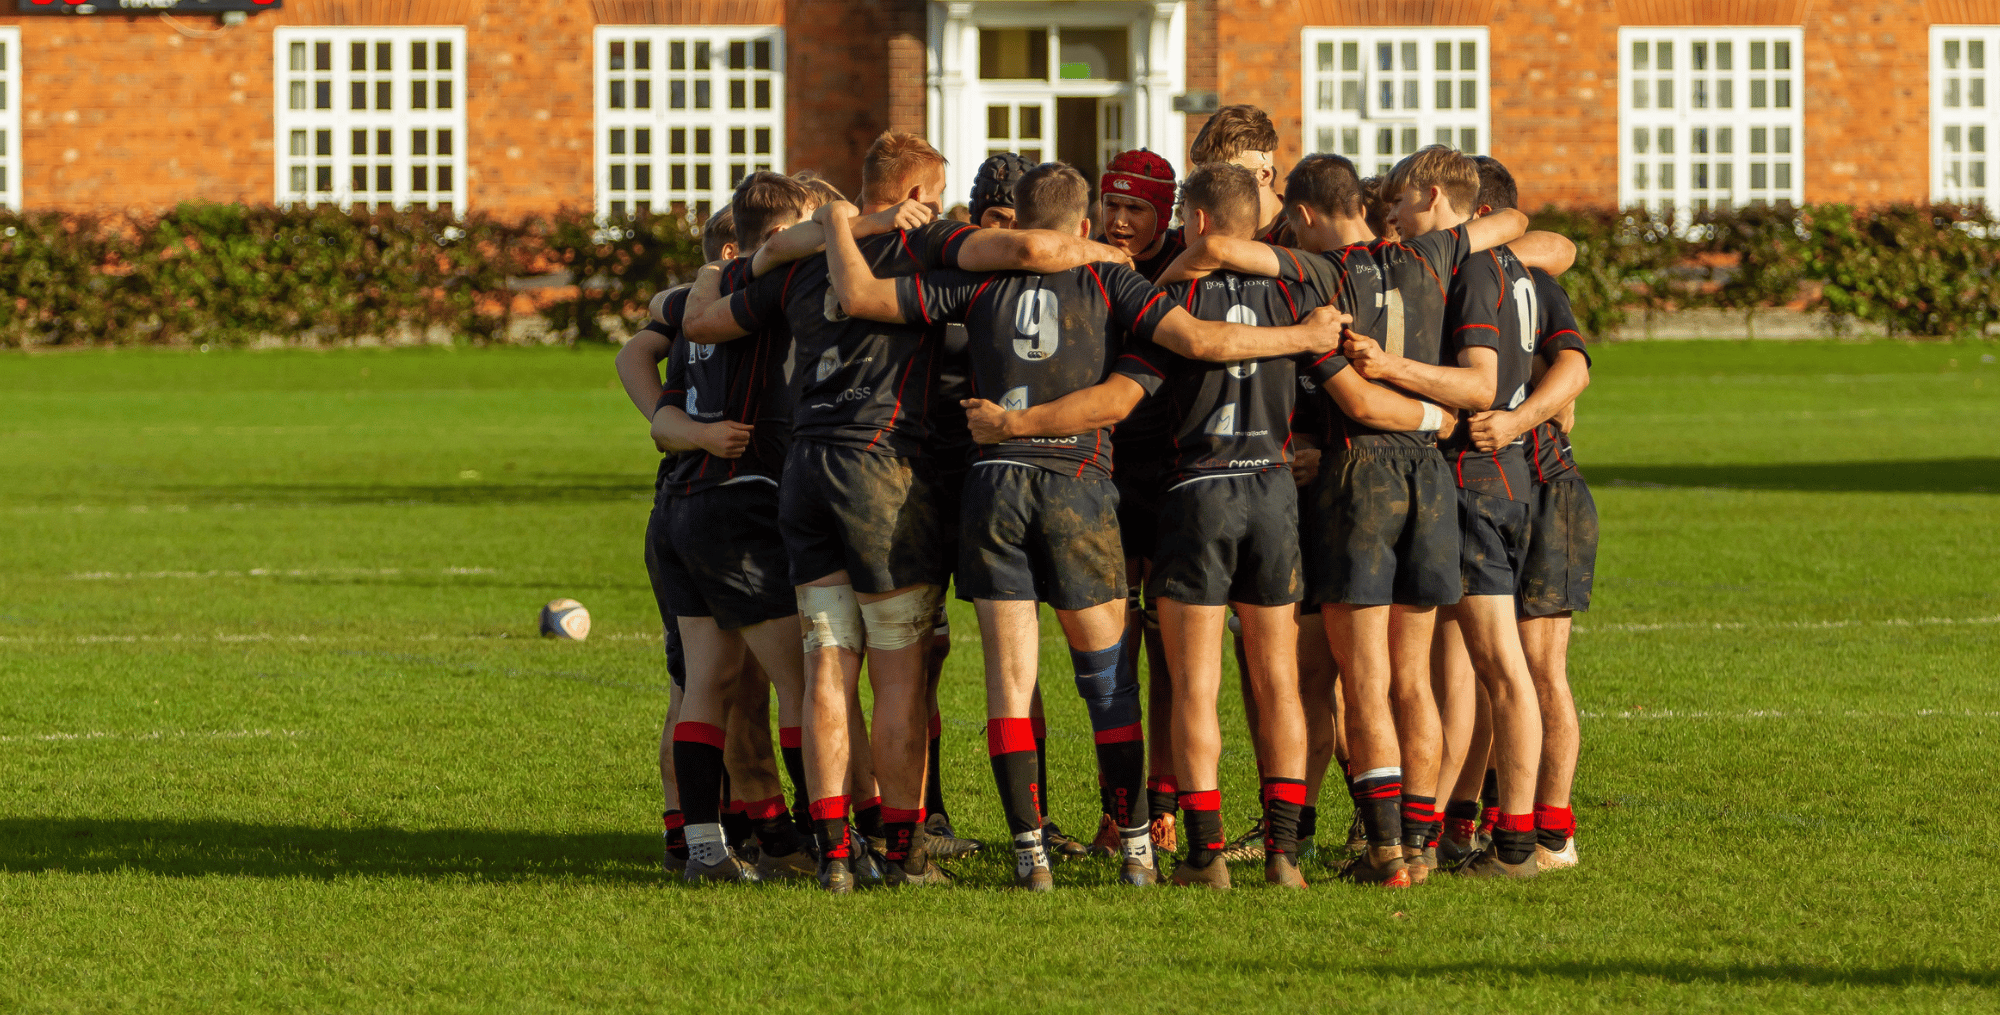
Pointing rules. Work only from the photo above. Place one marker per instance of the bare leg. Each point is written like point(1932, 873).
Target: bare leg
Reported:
point(1359, 638)
point(1271, 648)
point(670, 792)
point(1457, 690)
point(1546, 642)
point(902, 716)
point(829, 713)
point(1494, 641)
point(1317, 679)
point(1417, 728)
point(753, 768)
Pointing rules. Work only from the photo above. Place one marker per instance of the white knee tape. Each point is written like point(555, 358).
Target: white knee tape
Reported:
point(900, 621)
point(830, 616)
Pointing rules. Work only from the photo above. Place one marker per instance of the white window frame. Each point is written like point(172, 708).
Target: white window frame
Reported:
point(405, 124)
point(660, 119)
point(1964, 135)
point(10, 117)
point(1690, 127)
point(1345, 108)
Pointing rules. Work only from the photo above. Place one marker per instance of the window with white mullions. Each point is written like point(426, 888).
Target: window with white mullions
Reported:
point(1710, 118)
point(1376, 95)
point(1962, 115)
point(684, 113)
point(371, 117)
point(10, 118)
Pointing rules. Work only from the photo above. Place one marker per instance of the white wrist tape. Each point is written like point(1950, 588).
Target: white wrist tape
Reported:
point(1433, 418)
point(831, 617)
point(900, 621)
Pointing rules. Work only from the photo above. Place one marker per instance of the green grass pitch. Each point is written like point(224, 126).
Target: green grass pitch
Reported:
point(276, 732)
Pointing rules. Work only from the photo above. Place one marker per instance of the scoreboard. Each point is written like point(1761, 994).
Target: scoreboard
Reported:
point(144, 6)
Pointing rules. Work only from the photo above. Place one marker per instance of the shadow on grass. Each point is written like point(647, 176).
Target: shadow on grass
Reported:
point(581, 489)
point(235, 849)
point(1608, 971)
point(1950, 475)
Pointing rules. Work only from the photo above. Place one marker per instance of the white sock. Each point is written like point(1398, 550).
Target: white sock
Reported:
point(705, 845)
point(1028, 853)
point(1137, 844)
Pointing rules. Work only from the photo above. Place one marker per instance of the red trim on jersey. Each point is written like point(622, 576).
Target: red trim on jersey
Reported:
point(1559, 334)
point(1106, 293)
point(976, 293)
point(1464, 327)
point(1535, 435)
point(895, 411)
point(1505, 483)
point(1150, 368)
point(1494, 252)
point(1293, 307)
point(903, 237)
point(1296, 266)
point(923, 305)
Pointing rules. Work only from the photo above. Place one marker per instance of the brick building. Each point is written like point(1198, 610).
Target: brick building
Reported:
point(510, 106)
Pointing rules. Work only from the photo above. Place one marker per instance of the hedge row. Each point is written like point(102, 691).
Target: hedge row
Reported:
point(234, 274)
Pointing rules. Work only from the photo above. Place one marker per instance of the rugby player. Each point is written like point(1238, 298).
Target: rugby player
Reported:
point(859, 519)
point(1244, 135)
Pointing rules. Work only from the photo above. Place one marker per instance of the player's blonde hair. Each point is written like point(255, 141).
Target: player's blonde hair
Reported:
point(1445, 168)
point(895, 163)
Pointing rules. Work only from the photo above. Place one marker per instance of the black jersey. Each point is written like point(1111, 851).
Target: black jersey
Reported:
point(1173, 243)
point(742, 380)
point(1493, 305)
point(1230, 418)
point(1556, 330)
point(1351, 279)
point(1035, 338)
point(1416, 278)
point(951, 446)
point(857, 383)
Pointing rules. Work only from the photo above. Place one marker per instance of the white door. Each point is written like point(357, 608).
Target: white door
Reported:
point(1021, 124)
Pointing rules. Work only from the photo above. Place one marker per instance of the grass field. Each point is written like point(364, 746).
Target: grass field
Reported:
point(276, 733)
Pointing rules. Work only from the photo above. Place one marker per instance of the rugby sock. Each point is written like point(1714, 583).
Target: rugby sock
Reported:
point(933, 780)
point(899, 827)
point(1514, 837)
point(1554, 826)
point(1113, 703)
point(791, 748)
point(1041, 729)
point(868, 818)
point(698, 771)
point(1308, 823)
point(1028, 853)
point(829, 818)
point(1283, 800)
point(1419, 812)
point(776, 834)
point(675, 826)
point(1201, 812)
point(1161, 797)
point(1489, 798)
point(737, 825)
point(1136, 844)
point(705, 845)
point(1376, 794)
point(1010, 746)
point(1462, 819)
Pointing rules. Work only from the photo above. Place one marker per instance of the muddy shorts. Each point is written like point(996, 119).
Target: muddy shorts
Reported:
point(655, 537)
point(871, 515)
point(1030, 534)
point(1493, 537)
point(1230, 539)
point(948, 484)
point(1138, 480)
point(1383, 528)
point(722, 555)
point(1562, 550)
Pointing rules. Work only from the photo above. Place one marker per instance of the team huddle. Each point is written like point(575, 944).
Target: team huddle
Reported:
point(1324, 420)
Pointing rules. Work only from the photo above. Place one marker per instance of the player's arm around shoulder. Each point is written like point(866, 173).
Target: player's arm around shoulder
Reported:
point(1079, 412)
point(861, 293)
point(638, 366)
point(1228, 342)
point(1041, 251)
point(1554, 395)
point(709, 317)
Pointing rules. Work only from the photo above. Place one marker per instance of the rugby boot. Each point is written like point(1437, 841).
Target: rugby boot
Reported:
point(1165, 839)
point(1215, 874)
point(673, 864)
point(1420, 863)
point(1487, 864)
point(1035, 879)
point(835, 875)
point(1137, 874)
point(1548, 859)
point(866, 853)
point(1249, 845)
point(796, 864)
point(729, 869)
point(943, 844)
point(916, 869)
point(1280, 870)
point(1060, 846)
point(1456, 845)
point(1357, 834)
point(1106, 841)
point(1378, 866)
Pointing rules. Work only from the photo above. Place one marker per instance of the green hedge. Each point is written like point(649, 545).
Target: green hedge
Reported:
point(235, 274)
point(1912, 270)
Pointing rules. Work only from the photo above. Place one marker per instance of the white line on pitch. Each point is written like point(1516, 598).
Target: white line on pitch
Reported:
point(272, 572)
point(1794, 625)
point(154, 735)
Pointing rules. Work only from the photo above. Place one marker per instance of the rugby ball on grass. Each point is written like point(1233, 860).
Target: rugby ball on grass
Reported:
point(567, 619)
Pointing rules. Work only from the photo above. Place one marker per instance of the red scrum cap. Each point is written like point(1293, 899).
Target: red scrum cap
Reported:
point(1143, 175)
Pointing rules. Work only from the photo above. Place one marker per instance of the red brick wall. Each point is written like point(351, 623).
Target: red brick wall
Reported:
point(1867, 96)
point(1554, 86)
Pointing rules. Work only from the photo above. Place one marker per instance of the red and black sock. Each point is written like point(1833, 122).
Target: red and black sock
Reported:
point(1377, 792)
point(791, 749)
point(1162, 797)
point(829, 818)
point(868, 818)
point(1461, 819)
point(675, 826)
point(1514, 837)
point(1489, 800)
point(737, 828)
point(933, 779)
point(1041, 729)
point(1419, 815)
point(899, 829)
point(1201, 816)
point(776, 835)
point(1111, 696)
point(1554, 826)
point(1308, 822)
point(698, 771)
point(1284, 799)
point(1010, 746)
